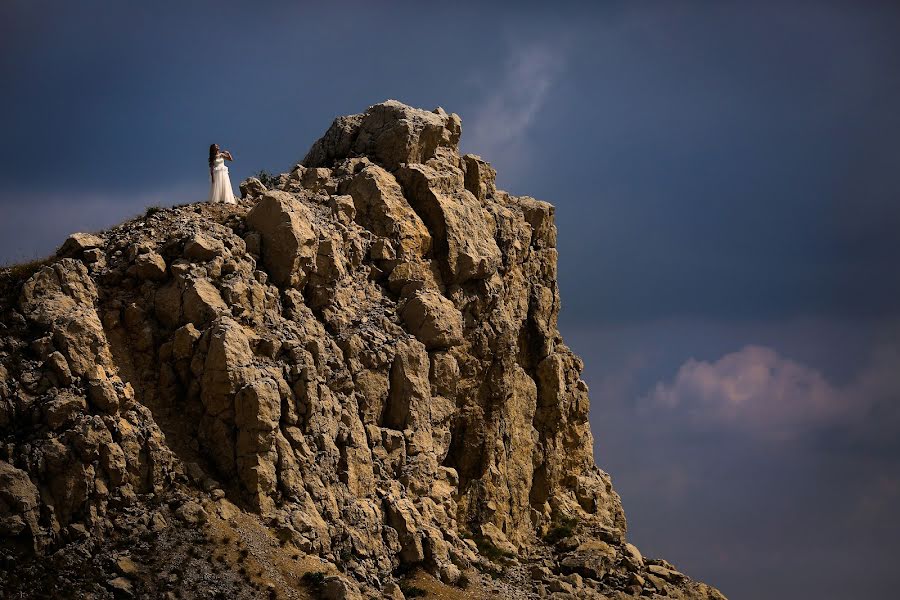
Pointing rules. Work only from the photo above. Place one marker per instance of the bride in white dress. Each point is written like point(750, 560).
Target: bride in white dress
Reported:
point(220, 188)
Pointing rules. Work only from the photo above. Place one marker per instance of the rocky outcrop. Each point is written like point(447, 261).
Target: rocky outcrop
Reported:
point(365, 361)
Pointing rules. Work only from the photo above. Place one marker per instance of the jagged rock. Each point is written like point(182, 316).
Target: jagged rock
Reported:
point(634, 555)
point(191, 513)
point(367, 358)
point(63, 409)
point(480, 177)
point(101, 390)
point(497, 538)
point(379, 205)
point(121, 587)
point(392, 591)
point(288, 241)
point(252, 187)
point(433, 320)
point(19, 502)
point(202, 302)
point(60, 367)
point(126, 566)
point(150, 266)
point(665, 573)
point(462, 229)
point(391, 133)
point(77, 243)
point(339, 588)
point(201, 247)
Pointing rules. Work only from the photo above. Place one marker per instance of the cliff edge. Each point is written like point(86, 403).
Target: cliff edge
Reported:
point(348, 385)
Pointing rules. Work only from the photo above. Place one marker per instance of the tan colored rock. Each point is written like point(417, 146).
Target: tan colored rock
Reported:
point(634, 554)
point(121, 587)
point(480, 177)
point(202, 302)
point(60, 368)
point(252, 187)
point(343, 208)
point(150, 266)
point(408, 277)
point(540, 216)
point(167, 304)
point(126, 566)
point(258, 405)
point(289, 243)
point(202, 247)
point(77, 243)
point(497, 538)
point(183, 342)
point(382, 209)
point(62, 409)
point(55, 291)
point(668, 574)
point(433, 320)
point(192, 513)
point(390, 133)
point(462, 230)
point(336, 587)
point(401, 515)
point(368, 393)
point(227, 360)
point(409, 388)
point(19, 502)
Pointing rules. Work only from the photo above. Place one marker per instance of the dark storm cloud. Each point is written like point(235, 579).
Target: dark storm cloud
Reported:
point(735, 159)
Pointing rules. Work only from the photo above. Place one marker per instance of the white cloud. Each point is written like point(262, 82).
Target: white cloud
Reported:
point(502, 118)
point(758, 390)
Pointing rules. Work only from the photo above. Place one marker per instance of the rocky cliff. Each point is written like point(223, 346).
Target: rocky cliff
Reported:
point(349, 385)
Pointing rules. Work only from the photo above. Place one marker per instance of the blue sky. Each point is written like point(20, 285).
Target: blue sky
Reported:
point(725, 176)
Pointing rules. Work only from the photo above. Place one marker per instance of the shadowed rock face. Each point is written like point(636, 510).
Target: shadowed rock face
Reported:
point(366, 358)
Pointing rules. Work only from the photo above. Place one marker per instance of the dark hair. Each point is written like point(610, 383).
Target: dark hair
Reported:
point(213, 151)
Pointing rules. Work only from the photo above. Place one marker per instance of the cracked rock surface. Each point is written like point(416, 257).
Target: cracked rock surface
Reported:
point(356, 372)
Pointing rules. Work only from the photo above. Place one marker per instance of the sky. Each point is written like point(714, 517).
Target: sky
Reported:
point(726, 180)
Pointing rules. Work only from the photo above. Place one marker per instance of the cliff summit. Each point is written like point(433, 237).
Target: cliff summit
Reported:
point(349, 385)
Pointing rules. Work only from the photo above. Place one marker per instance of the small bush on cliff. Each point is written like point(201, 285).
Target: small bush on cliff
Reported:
point(489, 550)
point(463, 581)
point(561, 529)
point(411, 591)
point(313, 580)
point(267, 179)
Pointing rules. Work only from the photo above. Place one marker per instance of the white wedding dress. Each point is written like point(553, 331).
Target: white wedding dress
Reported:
point(220, 190)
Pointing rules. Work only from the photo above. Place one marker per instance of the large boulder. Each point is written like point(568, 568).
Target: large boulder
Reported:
point(381, 208)
point(19, 502)
point(390, 133)
point(289, 243)
point(77, 243)
point(433, 319)
point(462, 229)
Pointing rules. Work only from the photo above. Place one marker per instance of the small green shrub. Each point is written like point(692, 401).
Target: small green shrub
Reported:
point(489, 550)
point(463, 581)
point(267, 179)
point(313, 580)
point(411, 591)
point(152, 210)
point(562, 529)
